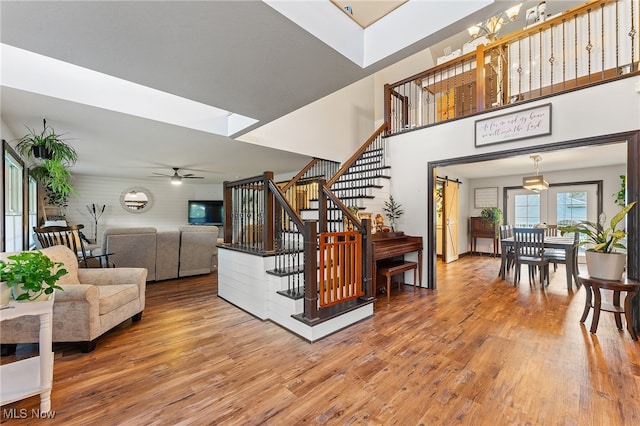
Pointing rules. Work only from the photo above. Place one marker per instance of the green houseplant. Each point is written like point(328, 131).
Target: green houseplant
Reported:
point(55, 178)
point(604, 241)
point(52, 171)
point(47, 145)
point(621, 195)
point(393, 211)
point(31, 275)
point(494, 216)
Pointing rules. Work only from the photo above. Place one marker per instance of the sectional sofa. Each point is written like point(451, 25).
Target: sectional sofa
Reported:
point(189, 250)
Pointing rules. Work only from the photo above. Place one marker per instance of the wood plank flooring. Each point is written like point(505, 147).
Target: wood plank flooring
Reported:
point(478, 351)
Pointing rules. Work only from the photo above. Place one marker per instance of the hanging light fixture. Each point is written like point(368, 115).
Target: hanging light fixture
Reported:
point(493, 25)
point(535, 183)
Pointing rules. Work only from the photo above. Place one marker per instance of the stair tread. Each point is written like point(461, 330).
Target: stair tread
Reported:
point(342, 179)
point(356, 187)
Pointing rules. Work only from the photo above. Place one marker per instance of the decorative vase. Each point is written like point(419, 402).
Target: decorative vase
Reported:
point(5, 293)
point(606, 266)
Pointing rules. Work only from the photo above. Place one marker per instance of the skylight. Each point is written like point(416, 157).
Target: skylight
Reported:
point(31, 72)
point(366, 12)
point(410, 22)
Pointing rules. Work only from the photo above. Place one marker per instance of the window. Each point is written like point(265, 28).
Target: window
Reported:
point(527, 210)
point(33, 209)
point(12, 203)
point(571, 207)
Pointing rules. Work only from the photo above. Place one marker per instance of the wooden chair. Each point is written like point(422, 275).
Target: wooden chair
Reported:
point(551, 231)
point(529, 250)
point(506, 231)
point(68, 236)
point(556, 256)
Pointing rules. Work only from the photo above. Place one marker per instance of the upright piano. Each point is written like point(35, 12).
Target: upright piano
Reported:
point(390, 245)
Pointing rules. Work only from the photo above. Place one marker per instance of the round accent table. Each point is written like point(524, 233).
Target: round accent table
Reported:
point(593, 286)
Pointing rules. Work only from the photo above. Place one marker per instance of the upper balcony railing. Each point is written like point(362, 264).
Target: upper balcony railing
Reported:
point(587, 45)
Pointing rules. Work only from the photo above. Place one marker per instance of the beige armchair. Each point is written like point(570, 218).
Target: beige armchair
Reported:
point(93, 302)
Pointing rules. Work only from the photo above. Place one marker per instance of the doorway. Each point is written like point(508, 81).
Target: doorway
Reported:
point(632, 140)
point(447, 213)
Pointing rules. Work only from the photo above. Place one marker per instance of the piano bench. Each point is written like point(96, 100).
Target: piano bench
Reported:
point(397, 268)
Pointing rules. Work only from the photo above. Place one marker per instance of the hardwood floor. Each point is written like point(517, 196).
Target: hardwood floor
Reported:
point(476, 351)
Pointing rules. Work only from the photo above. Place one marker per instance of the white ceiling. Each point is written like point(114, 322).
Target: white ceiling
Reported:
point(240, 56)
point(579, 158)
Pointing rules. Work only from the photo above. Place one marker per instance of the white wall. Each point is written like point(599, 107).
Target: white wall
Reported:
point(331, 128)
point(609, 175)
point(581, 114)
point(169, 209)
point(7, 135)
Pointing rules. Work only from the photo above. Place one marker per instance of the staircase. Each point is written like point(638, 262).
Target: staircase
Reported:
point(272, 285)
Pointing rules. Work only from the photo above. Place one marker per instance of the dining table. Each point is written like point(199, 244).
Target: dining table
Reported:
point(566, 243)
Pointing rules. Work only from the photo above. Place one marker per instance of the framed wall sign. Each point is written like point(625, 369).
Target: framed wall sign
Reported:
point(486, 197)
point(523, 124)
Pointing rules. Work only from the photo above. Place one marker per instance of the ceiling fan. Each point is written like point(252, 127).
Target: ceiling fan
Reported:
point(176, 178)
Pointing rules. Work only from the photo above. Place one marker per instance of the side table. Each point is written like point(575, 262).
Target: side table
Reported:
point(31, 376)
point(593, 286)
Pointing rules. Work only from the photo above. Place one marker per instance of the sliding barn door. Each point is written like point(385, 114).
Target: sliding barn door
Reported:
point(450, 249)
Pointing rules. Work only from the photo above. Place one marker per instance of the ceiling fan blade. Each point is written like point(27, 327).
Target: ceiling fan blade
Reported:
point(159, 175)
point(193, 177)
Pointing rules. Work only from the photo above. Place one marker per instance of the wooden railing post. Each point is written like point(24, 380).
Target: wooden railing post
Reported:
point(228, 208)
point(322, 207)
point(269, 219)
point(310, 271)
point(387, 107)
point(480, 78)
point(367, 260)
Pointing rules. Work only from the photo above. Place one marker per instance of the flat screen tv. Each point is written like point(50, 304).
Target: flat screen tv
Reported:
point(206, 212)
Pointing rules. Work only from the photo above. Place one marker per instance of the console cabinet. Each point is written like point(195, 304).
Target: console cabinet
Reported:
point(480, 228)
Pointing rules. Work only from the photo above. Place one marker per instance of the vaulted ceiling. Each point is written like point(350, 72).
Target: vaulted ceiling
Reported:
point(245, 58)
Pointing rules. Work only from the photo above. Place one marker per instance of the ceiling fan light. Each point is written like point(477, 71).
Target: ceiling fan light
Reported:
point(176, 180)
point(535, 183)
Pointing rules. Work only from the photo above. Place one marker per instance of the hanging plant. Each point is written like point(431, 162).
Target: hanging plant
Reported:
point(55, 178)
point(52, 171)
point(46, 145)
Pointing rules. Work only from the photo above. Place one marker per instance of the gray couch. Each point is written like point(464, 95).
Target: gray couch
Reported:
point(94, 301)
point(191, 250)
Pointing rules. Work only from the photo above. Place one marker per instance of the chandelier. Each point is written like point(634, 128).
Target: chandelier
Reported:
point(535, 183)
point(493, 25)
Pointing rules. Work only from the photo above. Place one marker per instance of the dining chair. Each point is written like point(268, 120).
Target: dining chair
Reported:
point(551, 231)
point(556, 256)
point(506, 231)
point(68, 236)
point(529, 250)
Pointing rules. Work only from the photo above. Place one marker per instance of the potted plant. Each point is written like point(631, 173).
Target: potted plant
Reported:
point(393, 211)
point(492, 215)
point(31, 275)
point(47, 145)
point(603, 261)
